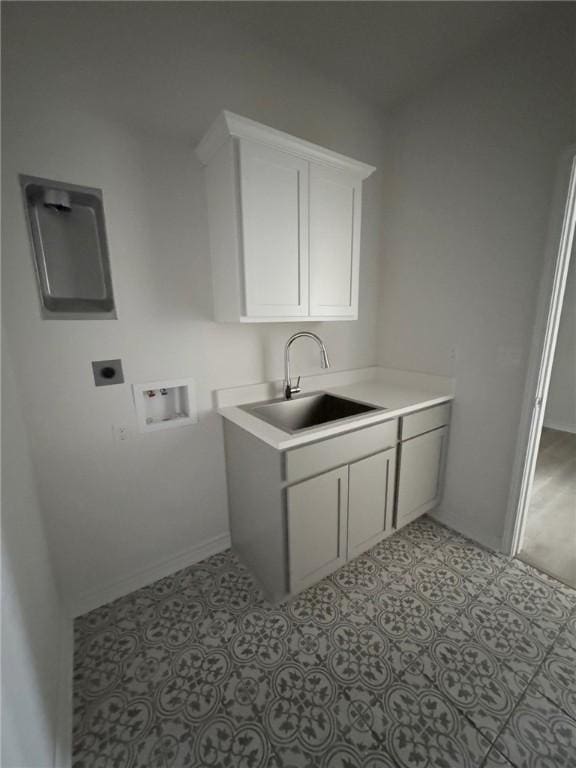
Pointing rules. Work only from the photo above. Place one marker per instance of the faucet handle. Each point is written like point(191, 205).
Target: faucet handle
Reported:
point(294, 390)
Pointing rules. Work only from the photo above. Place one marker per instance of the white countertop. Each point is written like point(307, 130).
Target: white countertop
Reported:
point(400, 392)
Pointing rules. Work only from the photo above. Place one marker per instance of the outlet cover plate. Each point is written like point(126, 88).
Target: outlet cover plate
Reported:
point(107, 372)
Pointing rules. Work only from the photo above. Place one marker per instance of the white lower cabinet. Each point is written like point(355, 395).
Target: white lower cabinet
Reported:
point(296, 517)
point(370, 501)
point(317, 522)
point(420, 476)
point(338, 515)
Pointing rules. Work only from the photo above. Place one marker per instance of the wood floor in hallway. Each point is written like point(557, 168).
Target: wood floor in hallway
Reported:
point(550, 538)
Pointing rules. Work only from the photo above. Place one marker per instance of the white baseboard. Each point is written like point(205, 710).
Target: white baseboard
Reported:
point(63, 746)
point(561, 426)
point(95, 598)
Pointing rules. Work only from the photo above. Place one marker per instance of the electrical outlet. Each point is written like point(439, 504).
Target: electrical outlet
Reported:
point(121, 432)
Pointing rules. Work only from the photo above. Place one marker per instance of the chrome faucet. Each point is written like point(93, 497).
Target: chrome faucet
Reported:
point(289, 390)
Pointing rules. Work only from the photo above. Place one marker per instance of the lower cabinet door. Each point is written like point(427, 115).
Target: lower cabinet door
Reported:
point(371, 500)
point(317, 521)
point(421, 474)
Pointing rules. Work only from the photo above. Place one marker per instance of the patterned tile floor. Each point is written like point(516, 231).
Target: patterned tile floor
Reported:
point(427, 652)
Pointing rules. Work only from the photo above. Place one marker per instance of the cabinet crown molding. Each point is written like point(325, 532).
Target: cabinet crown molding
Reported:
point(228, 124)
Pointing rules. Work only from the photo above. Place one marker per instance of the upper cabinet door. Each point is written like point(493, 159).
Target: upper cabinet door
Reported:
point(274, 200)
point(335, 205)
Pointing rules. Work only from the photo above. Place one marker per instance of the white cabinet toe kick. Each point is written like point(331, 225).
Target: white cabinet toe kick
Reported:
point(298, 515)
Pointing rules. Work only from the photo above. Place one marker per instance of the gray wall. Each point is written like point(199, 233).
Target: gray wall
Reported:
point(472, 170)
point(32, 618)
point(116, 96)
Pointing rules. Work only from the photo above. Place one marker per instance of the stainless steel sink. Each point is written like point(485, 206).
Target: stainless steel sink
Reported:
point(309, 411)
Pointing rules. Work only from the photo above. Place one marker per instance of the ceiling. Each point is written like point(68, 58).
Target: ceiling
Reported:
point(147, 62)
point(381, 50)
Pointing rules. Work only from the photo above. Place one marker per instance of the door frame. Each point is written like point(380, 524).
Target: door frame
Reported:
point(560, 245)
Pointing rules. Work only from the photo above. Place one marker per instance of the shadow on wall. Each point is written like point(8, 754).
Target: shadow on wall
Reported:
point(29, 697)
point(173, 205)
point(32, 618)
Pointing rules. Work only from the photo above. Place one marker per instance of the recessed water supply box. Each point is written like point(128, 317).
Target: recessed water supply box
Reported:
point(165, 404)
point(68, 235)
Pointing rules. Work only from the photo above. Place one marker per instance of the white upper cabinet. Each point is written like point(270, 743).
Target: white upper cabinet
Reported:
point(274, 198)
point(335, 200)
point(284, 218)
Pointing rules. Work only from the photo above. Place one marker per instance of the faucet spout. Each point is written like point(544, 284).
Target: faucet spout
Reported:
point(290, 390)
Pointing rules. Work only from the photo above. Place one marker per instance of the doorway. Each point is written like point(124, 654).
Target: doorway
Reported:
point(541, 518)
point(549, 541)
